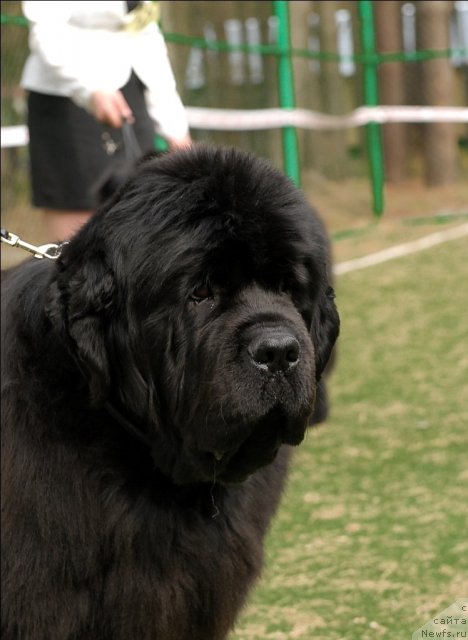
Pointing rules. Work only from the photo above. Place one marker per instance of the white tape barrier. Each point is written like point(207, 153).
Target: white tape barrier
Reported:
point(400, 250)
point(15, 136)
point(236, 120)
point(257, 119)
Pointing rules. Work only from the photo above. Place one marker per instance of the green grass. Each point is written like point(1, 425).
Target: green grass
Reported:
point(371, 538)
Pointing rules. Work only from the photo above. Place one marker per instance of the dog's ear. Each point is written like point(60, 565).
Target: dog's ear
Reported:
point(80, 303)
point(324, 332)
point(324, 329)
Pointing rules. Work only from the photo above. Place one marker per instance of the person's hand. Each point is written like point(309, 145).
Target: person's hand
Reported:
point(110, 108)
point(180, 143)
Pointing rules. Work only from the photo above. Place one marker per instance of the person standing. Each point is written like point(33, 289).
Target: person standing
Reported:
point(91, 66)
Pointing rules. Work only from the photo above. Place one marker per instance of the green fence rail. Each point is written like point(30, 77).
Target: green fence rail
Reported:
point(286, 90)
point(371, 98)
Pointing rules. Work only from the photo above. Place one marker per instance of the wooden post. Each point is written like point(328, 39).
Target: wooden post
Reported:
point(298, 12)
point(391, 87)
point(437, 90)
point(334, 142)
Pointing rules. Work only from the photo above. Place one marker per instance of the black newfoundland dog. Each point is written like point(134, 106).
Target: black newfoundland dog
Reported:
point(154, 378)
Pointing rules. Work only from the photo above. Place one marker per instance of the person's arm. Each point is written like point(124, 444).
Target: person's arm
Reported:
point(152, 65)
point(62, 48)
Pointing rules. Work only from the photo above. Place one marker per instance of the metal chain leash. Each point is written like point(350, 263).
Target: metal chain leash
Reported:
point(50, 250)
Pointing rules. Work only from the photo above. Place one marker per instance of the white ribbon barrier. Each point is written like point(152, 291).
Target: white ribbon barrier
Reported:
point(237, 120)
point(257, 119)
point(15, 136)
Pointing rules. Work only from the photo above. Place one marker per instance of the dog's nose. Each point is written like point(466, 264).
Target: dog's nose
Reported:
point(275, 352)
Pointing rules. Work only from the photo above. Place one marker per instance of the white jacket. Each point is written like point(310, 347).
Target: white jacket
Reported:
point(77, 47)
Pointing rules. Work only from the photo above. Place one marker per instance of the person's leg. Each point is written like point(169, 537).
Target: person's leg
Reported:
point(62, 225)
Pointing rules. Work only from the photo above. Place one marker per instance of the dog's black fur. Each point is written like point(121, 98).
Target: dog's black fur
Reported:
point(195, 308)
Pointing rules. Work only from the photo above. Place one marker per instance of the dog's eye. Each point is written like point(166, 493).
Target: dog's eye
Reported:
point(200, 294)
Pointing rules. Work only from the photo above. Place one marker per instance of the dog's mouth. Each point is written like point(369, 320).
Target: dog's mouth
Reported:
point(257, 450)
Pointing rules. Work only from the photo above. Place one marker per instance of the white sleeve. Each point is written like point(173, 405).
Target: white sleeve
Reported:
point(151, 63)
point(61, 46)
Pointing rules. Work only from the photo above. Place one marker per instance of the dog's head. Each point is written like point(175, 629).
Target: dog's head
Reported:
point(198, 301)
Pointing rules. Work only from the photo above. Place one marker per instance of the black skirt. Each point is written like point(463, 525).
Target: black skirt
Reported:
point(70, 150)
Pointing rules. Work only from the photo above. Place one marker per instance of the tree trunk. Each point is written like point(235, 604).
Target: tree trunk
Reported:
point(437, 90)
point(334, 95)
point(391, 86)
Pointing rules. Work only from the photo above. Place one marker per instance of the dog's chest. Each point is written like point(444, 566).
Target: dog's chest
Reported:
point(179, 573)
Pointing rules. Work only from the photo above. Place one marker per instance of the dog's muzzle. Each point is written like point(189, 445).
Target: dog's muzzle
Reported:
point(274, 350)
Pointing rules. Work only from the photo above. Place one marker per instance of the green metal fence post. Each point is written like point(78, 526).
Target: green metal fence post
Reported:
point(286, 90)
point(371, 98)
